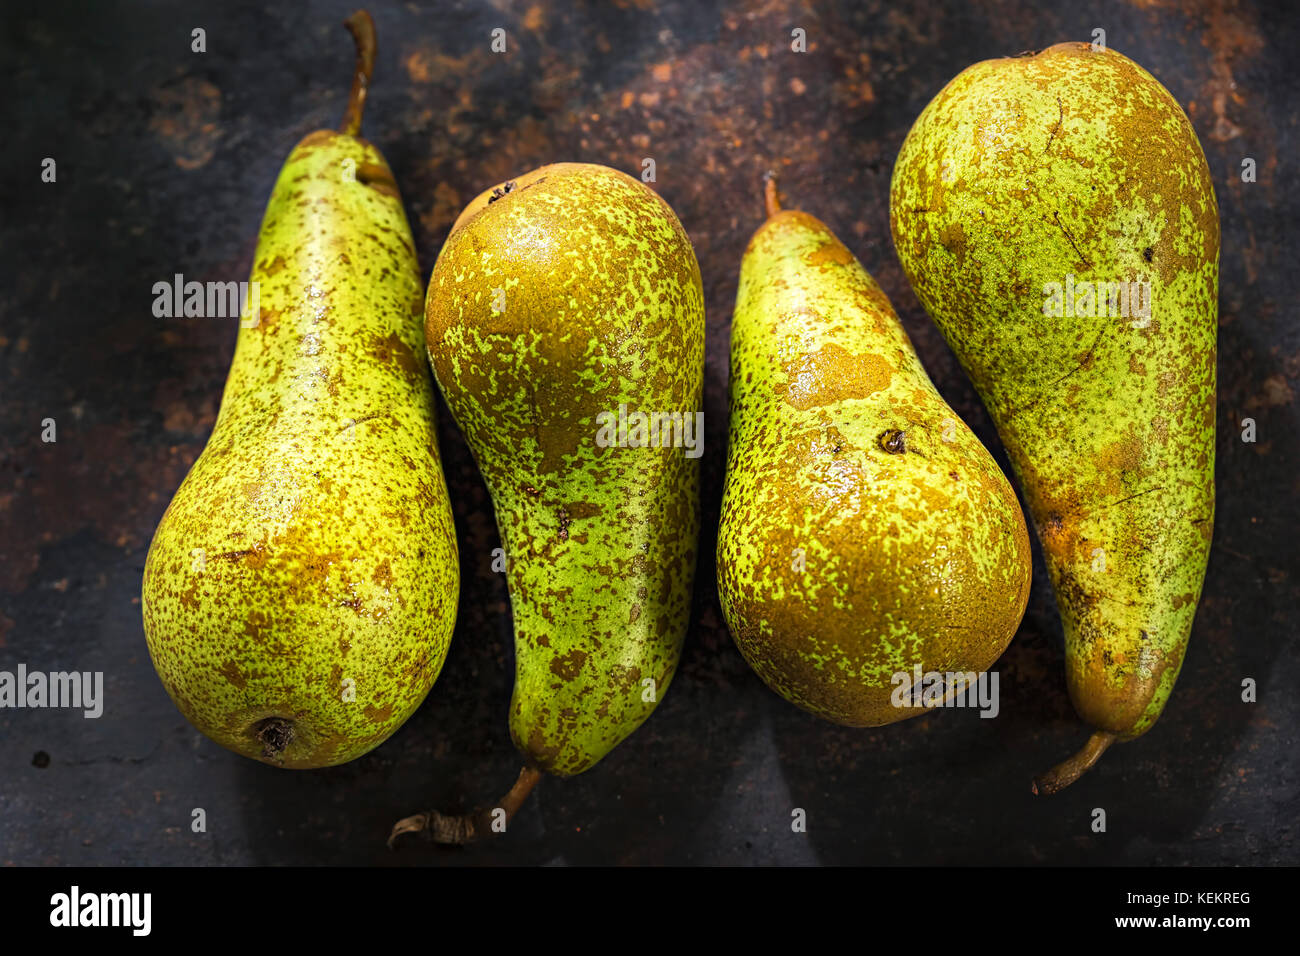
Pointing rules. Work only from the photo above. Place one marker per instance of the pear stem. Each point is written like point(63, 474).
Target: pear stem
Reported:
point(463, 829)
point(771, 194)
point(1068, 771)
point(362, 28)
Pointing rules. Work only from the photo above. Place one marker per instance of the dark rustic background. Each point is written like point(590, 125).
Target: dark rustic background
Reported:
point(165, 161)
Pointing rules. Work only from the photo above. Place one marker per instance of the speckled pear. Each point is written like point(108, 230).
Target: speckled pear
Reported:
point(563, 298)
point(865, 530)
point(1055, 215)
point(300, 592)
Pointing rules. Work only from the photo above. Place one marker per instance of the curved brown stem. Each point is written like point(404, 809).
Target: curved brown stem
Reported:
point(516, 795)
point(771, 194)
point(463, 829)
point(1068, 771)
point(362, 28)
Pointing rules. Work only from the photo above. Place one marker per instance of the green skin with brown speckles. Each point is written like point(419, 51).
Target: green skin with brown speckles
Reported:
point(559, 296)
point(865, 530)
point(306, 571)
point(1075, 162)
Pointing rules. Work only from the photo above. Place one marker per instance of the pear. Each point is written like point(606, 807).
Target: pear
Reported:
point(300, 591)
point(565, 327)
point(1055, 215)
point(866, 537)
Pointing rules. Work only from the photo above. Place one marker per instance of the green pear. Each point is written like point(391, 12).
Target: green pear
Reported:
point(1055, 215)
point(300, 591)
point(866, 534)
point(565, 309)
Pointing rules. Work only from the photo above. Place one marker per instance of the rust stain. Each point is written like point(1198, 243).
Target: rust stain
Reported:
point(184, 119)
point(833, 374)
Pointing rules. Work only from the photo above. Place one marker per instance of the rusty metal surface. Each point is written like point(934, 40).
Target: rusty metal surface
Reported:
point(165, 159)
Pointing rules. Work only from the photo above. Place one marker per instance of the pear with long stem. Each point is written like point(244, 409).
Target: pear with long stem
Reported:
point(300, 592)
point(565, 322)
